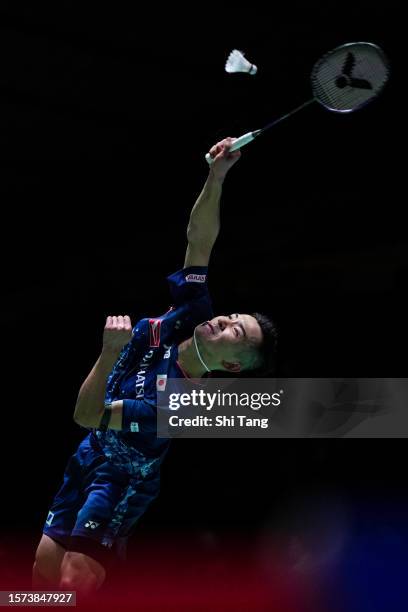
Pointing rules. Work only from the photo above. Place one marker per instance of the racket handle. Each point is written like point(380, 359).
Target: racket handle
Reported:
point(237, 144)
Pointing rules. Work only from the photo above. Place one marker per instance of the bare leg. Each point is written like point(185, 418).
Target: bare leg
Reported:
point(47, 565)
point(81, 573)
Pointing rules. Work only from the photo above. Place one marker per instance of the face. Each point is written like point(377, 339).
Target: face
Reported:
point(221, 341)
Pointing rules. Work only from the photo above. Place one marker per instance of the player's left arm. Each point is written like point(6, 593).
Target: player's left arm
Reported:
point(90, 405)
point(204, 223)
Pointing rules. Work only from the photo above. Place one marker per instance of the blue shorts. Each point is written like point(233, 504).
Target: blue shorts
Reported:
point(98, 504)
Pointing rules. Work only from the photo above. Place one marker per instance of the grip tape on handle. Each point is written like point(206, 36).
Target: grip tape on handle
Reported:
point(237, 144)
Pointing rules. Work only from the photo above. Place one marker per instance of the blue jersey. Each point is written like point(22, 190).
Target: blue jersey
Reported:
point(143, 366)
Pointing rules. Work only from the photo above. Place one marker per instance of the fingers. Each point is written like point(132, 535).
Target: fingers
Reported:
point(221, 146)
point(117, 333)
point(221, 150)
point(215, 150)
point(118, 322)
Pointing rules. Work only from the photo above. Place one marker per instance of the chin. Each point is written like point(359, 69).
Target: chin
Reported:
point(199, 330)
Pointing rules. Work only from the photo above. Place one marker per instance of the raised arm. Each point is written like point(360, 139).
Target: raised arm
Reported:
point(204, 223)
point(90, 405)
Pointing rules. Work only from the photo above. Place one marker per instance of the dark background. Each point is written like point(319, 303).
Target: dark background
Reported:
point(105, 116)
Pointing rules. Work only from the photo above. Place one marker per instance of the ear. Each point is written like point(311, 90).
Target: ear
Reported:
point(231, 366)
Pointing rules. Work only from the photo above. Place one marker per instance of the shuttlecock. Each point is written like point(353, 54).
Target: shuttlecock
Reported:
point(237, 62)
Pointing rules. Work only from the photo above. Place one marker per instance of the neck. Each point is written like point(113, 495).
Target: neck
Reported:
point(188, 359)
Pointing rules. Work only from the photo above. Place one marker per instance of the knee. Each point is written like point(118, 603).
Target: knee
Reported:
point(81, 573)
point(83, 585)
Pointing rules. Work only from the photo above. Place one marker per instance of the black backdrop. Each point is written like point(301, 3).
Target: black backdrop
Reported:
point(105, 117)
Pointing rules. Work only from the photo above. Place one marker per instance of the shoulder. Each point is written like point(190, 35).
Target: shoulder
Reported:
point(188, 283)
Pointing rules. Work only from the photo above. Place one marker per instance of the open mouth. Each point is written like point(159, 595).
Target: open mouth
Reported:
point(211, 327)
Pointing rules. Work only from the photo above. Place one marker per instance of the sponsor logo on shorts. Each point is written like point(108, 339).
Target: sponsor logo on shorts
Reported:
point(196, 278)
point(91, 524)
point(161, 380)
point(154, 328)
point(49, 518)
point(134, 427)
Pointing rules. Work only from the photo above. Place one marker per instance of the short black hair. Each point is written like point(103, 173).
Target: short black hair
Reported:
point(262, 356)
point(265, 364)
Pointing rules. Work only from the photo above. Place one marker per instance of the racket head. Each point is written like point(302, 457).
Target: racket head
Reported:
point(350, 76)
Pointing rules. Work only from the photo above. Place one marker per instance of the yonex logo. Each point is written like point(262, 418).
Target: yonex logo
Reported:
point(49, 518)
point(91, 524)
point(196, 278)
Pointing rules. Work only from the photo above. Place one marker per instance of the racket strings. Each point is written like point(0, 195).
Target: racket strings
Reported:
point(345, 79)
point(350, 76)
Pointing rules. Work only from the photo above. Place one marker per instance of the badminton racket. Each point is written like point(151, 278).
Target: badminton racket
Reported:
point(344, 80)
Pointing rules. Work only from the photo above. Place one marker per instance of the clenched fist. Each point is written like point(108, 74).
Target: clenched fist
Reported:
point(117, 333)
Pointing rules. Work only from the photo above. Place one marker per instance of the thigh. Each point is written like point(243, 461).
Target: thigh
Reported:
point(48, 559)
point(105, 487)
point(135, 505)
point(49, 551)
point(114, 504)
point(64, 509)
point(128, 513)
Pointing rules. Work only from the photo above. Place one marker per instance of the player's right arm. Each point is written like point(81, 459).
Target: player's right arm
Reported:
point(204, 223)
point(90, 405)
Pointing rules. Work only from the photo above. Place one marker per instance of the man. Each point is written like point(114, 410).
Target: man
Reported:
point(114, 475)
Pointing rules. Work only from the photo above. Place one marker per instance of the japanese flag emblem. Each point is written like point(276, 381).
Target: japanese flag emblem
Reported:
point(161, 380)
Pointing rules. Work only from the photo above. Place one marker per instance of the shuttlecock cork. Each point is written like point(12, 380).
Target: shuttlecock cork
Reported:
point(237, 62)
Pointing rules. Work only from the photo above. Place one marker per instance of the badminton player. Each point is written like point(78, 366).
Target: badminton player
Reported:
point(114, 474)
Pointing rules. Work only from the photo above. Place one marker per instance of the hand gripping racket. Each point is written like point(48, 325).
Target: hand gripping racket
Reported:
point(344, 80)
